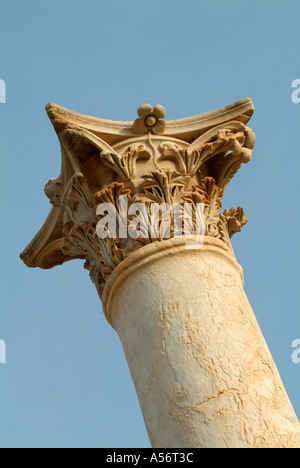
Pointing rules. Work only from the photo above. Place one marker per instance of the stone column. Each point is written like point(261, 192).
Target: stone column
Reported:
point(202, 370)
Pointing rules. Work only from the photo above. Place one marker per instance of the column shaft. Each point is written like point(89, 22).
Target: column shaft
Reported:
point(201, 367)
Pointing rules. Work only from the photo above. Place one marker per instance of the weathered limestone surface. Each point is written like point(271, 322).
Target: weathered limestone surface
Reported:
point(201, 367)
point(202, 370)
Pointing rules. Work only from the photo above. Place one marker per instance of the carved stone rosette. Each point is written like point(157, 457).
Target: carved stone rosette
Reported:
point(148, 161)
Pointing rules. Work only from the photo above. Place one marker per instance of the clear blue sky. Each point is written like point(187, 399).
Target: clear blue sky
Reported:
point(66, 382)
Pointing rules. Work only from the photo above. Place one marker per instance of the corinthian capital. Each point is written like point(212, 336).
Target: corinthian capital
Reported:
point(146, 162)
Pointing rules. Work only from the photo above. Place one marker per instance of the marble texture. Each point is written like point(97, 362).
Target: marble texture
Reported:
point(201, 367)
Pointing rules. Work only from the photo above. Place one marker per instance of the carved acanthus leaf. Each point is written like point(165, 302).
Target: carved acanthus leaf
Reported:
point(112, 194)
point(80, 200)
point(233, 143)
point(210, 195)
point(231, 222)
point(54, 190)
point(125, 164)
point(165, 187)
